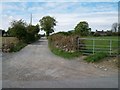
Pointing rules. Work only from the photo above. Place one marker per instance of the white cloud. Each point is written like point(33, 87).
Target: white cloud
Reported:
point(100, 21)
point(66, 21)
point(60, 0)
point(7, 19)
point(0, 15)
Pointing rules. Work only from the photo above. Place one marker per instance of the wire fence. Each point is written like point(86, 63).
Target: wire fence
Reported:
point(92, 45)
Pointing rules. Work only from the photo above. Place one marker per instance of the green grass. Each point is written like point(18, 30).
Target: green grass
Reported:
point(102, 45)
point(64, 54)
point(96, 57)
point(18, 47)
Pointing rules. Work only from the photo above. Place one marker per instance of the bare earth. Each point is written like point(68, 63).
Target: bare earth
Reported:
point(36, 67)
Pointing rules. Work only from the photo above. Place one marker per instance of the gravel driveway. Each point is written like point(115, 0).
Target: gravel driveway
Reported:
point(35, 66)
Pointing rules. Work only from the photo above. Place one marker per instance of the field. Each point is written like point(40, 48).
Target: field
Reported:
point(107, 44)
point(8, 40)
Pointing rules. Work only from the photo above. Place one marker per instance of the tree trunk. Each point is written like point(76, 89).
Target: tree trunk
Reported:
point(47, 34)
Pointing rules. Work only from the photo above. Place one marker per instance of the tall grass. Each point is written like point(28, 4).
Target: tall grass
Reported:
point(96, 57)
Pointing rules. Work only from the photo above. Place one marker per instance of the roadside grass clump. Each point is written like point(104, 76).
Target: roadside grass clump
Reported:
point(18, 47)
point(64, 54)
point(96, 57)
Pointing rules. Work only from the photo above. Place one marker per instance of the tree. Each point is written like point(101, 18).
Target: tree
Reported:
point(33, 29)
point(118, 27)
point(82, 28)
point(11, 32)
point(3, 32)
point(47, 24)
point(114, 27)
point(18, 29)
point(32, 33)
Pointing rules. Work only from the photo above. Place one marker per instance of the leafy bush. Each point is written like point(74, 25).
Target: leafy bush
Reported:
point(96, 34)
point(24, 32)
point(96, 57)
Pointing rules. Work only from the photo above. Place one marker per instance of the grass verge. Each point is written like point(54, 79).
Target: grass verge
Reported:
point(18, 47)
point(64, 54)
point(96, 57)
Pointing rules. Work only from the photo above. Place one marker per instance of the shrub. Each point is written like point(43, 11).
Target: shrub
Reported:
point(96, 57)
point(96, 34)
point(17, 47)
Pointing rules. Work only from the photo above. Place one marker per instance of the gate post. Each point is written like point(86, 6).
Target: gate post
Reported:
point(110, 46)
point(93, 46)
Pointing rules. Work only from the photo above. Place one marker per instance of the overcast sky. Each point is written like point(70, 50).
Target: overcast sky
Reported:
point(99, 15)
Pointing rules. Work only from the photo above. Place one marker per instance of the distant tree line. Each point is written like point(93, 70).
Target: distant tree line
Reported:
point(82, 29)
point(29, 33)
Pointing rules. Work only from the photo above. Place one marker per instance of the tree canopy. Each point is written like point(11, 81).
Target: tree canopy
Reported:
point(33, 29)
point(82, 28)
point(24, 32)
point(18, 29)
point(47, 24)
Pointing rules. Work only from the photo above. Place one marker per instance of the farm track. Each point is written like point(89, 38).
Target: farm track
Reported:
point(35, 66)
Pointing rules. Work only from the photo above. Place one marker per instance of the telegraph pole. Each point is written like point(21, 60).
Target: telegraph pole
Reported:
point(31, 19)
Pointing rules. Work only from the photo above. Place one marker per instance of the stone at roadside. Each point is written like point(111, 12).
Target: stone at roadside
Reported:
point(105, 69)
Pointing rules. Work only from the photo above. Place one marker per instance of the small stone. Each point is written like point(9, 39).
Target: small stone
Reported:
point(96, 66)
point(72, 51)
point(66, 50)
point(105, 69)
point(114, 60)
point(57, 46)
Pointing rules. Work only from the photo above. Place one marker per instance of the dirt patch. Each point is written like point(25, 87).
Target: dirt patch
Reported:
point(106, 64)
